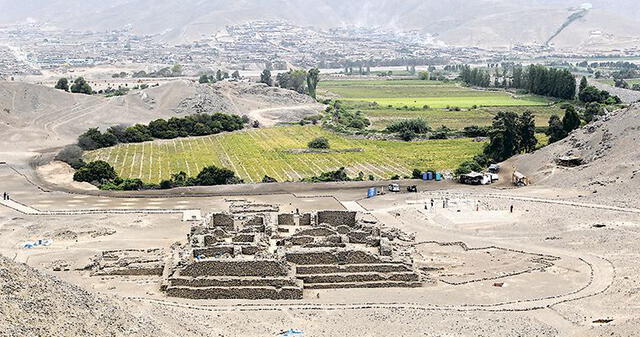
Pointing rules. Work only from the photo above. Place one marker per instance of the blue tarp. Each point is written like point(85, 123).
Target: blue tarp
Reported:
point(291, 332)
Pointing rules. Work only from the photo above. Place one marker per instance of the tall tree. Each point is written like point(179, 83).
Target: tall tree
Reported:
point(527, 132)
point(583, 84)
point(504, 140)
point(556, 130)
point(313, 77)
point(571, 119)
point(265, 77)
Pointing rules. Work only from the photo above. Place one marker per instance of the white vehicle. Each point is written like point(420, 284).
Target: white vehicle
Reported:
point(394, 188)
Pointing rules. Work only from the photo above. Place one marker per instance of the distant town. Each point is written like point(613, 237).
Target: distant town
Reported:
point(29, 49)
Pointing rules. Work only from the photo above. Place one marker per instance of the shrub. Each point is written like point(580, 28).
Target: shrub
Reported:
point(416, 174)
point(96, 172)
point(72, 155)
point(417, 125)
point(319, 143)
point(269, 180)
point(212, 175)
point(467, 167)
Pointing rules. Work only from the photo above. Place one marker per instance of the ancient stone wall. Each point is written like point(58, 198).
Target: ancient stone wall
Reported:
point(223, 220)
point(337, 218)
point(286, 220)
point(330, 256)
point(236, 268)
point(250, 293)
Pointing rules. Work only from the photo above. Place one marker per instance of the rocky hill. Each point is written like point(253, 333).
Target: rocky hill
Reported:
point(602, 159)
point(35, 304)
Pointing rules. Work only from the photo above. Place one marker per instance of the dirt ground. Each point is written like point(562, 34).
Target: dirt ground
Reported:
point(562, 264)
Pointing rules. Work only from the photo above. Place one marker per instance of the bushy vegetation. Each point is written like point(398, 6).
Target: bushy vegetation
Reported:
point(341, 119)
point(331, 176)
point(194, 125)
point(408, 129)
point(62, 84)
point(319, 143)
point(97, 172)
point(72, 155)
point(174, 71)
point(81, 86)
point(591, 94)
point(103, 175)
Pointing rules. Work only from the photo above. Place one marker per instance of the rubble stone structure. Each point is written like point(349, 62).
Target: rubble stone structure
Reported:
point(260, 256)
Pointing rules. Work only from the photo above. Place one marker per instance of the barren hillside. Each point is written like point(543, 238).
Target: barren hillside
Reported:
point(611, 160)
point(35, 304)
point(34, 117)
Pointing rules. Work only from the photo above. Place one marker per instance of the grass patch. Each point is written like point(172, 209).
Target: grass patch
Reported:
point(252, 154)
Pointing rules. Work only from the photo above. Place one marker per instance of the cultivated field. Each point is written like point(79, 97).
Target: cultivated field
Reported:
point(381, 118)
point(416, 93)
point(252, 154)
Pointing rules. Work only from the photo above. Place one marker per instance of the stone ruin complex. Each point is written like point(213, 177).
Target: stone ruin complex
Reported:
point(269, 256)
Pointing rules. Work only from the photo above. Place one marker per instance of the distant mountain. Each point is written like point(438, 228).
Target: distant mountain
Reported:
point(485, 23)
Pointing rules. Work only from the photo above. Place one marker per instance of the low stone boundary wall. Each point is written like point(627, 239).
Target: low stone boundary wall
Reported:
point(250, 293)
point(365, 268)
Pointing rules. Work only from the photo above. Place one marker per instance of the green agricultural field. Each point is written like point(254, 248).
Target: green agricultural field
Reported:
point(254, 153)
point(416, 93)
point(381, 118)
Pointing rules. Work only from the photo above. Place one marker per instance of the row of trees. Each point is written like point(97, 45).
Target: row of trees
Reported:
point(536, 79)
point(218, 76)
point(297, 80)
point(103, 175)
point(194, 125)
point(79, 86)
point(540, 80)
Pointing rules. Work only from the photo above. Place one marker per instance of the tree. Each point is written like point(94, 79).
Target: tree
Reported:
point(219, 75)
point(571, 119)
point(95, 172)
point(292, 80)
point(265, 77)
point(467, 167)
point(319, 143)
point(313, 77)
point(235, 75)
point(527, 126)
point(63, 84)
point(203, 79)
point(212, 175)
point(80, 86)
point(504, 138)
point(583, 84)
point(556, 130)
